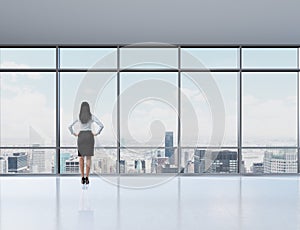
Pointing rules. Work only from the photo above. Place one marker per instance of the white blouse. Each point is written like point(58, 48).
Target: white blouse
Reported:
point(87, 126)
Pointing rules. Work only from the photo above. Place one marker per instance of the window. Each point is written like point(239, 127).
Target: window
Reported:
point(201, 95)
point(274, 161)
point(165, 109)
point(269, 109)
point(264, 58)
point(88, 58)
point(27, 109)
point(99, 89)
point(158, 58)
point(148, 108)
point(210, 58)
point(27, 58)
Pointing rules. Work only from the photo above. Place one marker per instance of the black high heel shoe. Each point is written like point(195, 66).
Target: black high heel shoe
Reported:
point(83, 180)
point(87, 180)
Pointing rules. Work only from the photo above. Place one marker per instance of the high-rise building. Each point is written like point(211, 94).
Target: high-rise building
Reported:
point(199, 162)
point(72, 165)
point(257, 167)
point(187, 158)
point(189, 167)
point(169, 151)
point(122, 166)
point(226, 162)
point(101, 165)
point(167, 168)
point(215, 161)
point(158, 153)
point(140, 166)
point(63, 158)
point(17, 162)
point(38, 163)
point(243, 167)
point(157, 164)
point(3, 165)
point(105, 164)
point(285, 162)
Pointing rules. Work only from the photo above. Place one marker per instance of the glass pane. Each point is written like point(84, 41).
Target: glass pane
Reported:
point(298, 57)
point(99, 89)
point(209, 161)
point(269, 109)
point(259, 161)
point(203, 94)
point(206, 58)
point(88, 58)
point(69, 161)
point(156, 160)
point(24, 161)
point(148, 103)
point(103, 161)
point(269, 58)
point(135, 58)
point(27, 115)
point(26, 58)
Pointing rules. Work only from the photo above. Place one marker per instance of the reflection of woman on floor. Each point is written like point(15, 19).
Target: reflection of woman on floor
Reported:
point(85, 212)
point(85, 141)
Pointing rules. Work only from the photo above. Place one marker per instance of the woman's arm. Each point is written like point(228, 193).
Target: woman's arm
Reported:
point(99, 123)
point(71, 128)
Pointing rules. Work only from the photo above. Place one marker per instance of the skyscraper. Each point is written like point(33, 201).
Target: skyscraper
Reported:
point(199, 163)
point(17, 162)
point(169, 151)
point(38, 161)
point(280, 163)
point(72, 165)
point(140, 166)
point(187, 157)
point(225, 162)
point(257, 167)
point(63, 158)
point(122, 166)
point(158, 163)
point(215, 161)
point(3, 165)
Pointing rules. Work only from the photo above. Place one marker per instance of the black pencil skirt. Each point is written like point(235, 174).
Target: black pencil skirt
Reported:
point(85, 143)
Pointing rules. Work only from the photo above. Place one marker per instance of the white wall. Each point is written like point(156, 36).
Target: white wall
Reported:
point(131, 21)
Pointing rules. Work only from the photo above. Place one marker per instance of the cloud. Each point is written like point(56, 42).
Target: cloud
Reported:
point(194, 95)
point(269, 119)
point(13, 65)
point(22, 107)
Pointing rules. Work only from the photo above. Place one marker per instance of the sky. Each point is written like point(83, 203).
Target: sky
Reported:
point(269, 99)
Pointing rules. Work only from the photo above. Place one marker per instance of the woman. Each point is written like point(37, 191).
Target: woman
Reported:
point(85, 141)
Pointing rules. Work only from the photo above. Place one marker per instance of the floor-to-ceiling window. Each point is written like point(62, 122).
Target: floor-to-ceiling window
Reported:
point(166, 109)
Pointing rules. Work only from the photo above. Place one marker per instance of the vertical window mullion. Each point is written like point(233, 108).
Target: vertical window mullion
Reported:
point(118, 111)
point(298, 138)
point(179, 111)
point(57, 93)
point(239, 110)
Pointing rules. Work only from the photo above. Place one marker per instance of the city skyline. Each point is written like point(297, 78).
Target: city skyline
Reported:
point(161, 160)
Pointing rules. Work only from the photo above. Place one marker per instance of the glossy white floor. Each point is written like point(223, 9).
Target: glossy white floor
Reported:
point(46, 203)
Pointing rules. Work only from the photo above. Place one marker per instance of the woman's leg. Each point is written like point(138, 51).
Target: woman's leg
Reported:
point(88, 165)
point(81, 165)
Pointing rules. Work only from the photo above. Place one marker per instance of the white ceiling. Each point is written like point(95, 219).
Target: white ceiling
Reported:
point(134, 21)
